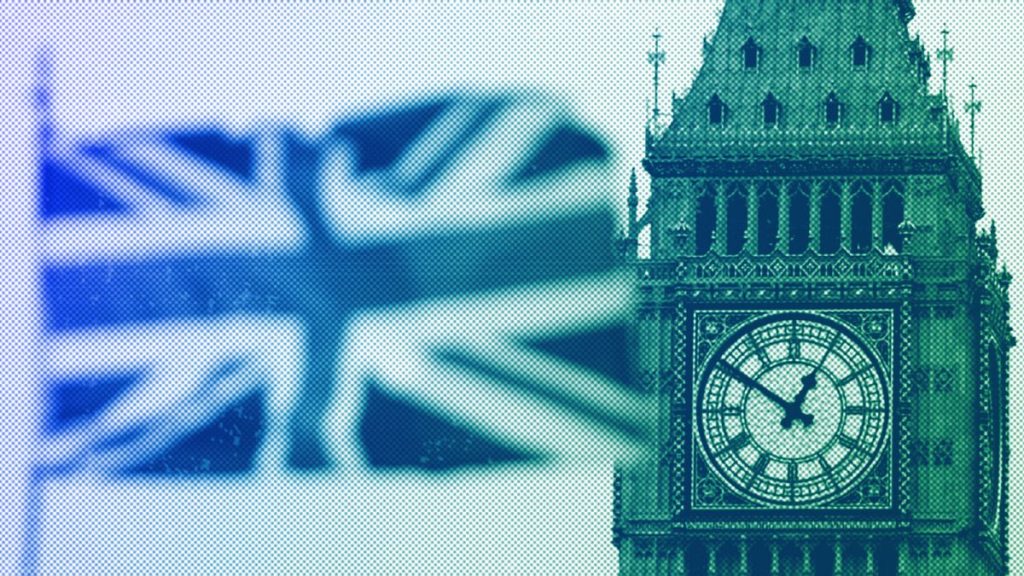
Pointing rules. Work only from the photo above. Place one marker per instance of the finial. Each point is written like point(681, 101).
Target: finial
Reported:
point(680, 232)
point(973, 108)
point(1005, 277)
point(626, 245)
point(656, 58)
point(945, 55)
point(631, 205)
point(906, 229)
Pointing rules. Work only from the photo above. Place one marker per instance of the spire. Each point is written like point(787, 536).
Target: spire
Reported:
point(626, 243)
point(945, 55)
point(972, 108)
point(1004, 278)
point(656, 58)
point(631, 203)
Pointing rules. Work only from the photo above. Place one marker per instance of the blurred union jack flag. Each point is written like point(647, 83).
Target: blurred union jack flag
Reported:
point(426, 286)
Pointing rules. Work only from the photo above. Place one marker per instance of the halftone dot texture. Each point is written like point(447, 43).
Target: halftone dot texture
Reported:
point(603, 70)
point(423, 291)
point(831, 182)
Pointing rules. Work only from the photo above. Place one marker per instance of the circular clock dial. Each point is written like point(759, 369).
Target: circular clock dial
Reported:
point(792, 409)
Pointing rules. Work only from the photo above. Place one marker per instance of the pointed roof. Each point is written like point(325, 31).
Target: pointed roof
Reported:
point(859, 49)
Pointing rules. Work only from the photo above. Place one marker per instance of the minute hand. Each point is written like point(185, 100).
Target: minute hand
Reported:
point(739, 375)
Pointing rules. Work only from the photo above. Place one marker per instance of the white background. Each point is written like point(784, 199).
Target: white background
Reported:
point(121, 64)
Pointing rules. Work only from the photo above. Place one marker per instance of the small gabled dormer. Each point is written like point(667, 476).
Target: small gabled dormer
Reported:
point(806, 54)
point(716, 111)
point(833, 110)
point(888, 109)
point(751, 53)
point(771, 110)
point(860, 53)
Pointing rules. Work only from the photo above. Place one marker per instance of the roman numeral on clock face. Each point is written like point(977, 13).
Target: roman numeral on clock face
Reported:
point(761, 464)
point(827, 470)
point(852, 376)
point(758, 349)
point(779, 368)
point(736, 443)
point(849, 443)
point(793, 344)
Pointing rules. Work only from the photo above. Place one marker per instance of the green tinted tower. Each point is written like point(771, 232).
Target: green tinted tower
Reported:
point(825, 326)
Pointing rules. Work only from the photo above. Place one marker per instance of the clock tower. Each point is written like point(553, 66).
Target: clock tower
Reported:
point(824, 325)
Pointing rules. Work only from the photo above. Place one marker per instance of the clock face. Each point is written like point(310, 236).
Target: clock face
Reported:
point(792, 409)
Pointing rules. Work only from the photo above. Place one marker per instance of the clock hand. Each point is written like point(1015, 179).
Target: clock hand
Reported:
point(751, 383)
point(797, 412)
point(808, 382)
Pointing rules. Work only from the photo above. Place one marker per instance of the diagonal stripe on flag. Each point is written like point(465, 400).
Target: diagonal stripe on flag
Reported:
point(370, 237)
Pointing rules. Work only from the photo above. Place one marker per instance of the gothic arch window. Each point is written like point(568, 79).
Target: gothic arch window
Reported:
point(886, 556)
point(790, 559)
point(823, 560)
point(888, 109)
point(772, 110)
point(736, 219)
point(893, 213)
point(759, 558)
point(696, 558)
point(861, 52)
point(716, 110)
point(706, 218)
point(806, 54)
point(833, 109)
point(860, 218)
point(767, 219)
point(829, 229)
point(727, 559)
point(799, 217)
point(855, 559)
point(751, 54)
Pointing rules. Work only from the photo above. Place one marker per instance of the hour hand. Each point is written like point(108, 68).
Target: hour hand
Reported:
point(807, 383)
point(795, 411)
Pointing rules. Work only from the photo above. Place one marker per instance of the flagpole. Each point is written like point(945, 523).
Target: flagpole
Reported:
point(43, 102)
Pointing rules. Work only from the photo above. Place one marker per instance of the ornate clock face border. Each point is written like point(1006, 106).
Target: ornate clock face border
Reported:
point(699, 494)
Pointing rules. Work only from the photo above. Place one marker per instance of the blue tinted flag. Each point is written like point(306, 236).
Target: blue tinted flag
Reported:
point(430, 286)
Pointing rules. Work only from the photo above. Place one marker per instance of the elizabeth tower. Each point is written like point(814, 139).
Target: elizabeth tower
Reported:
point(822, 320)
